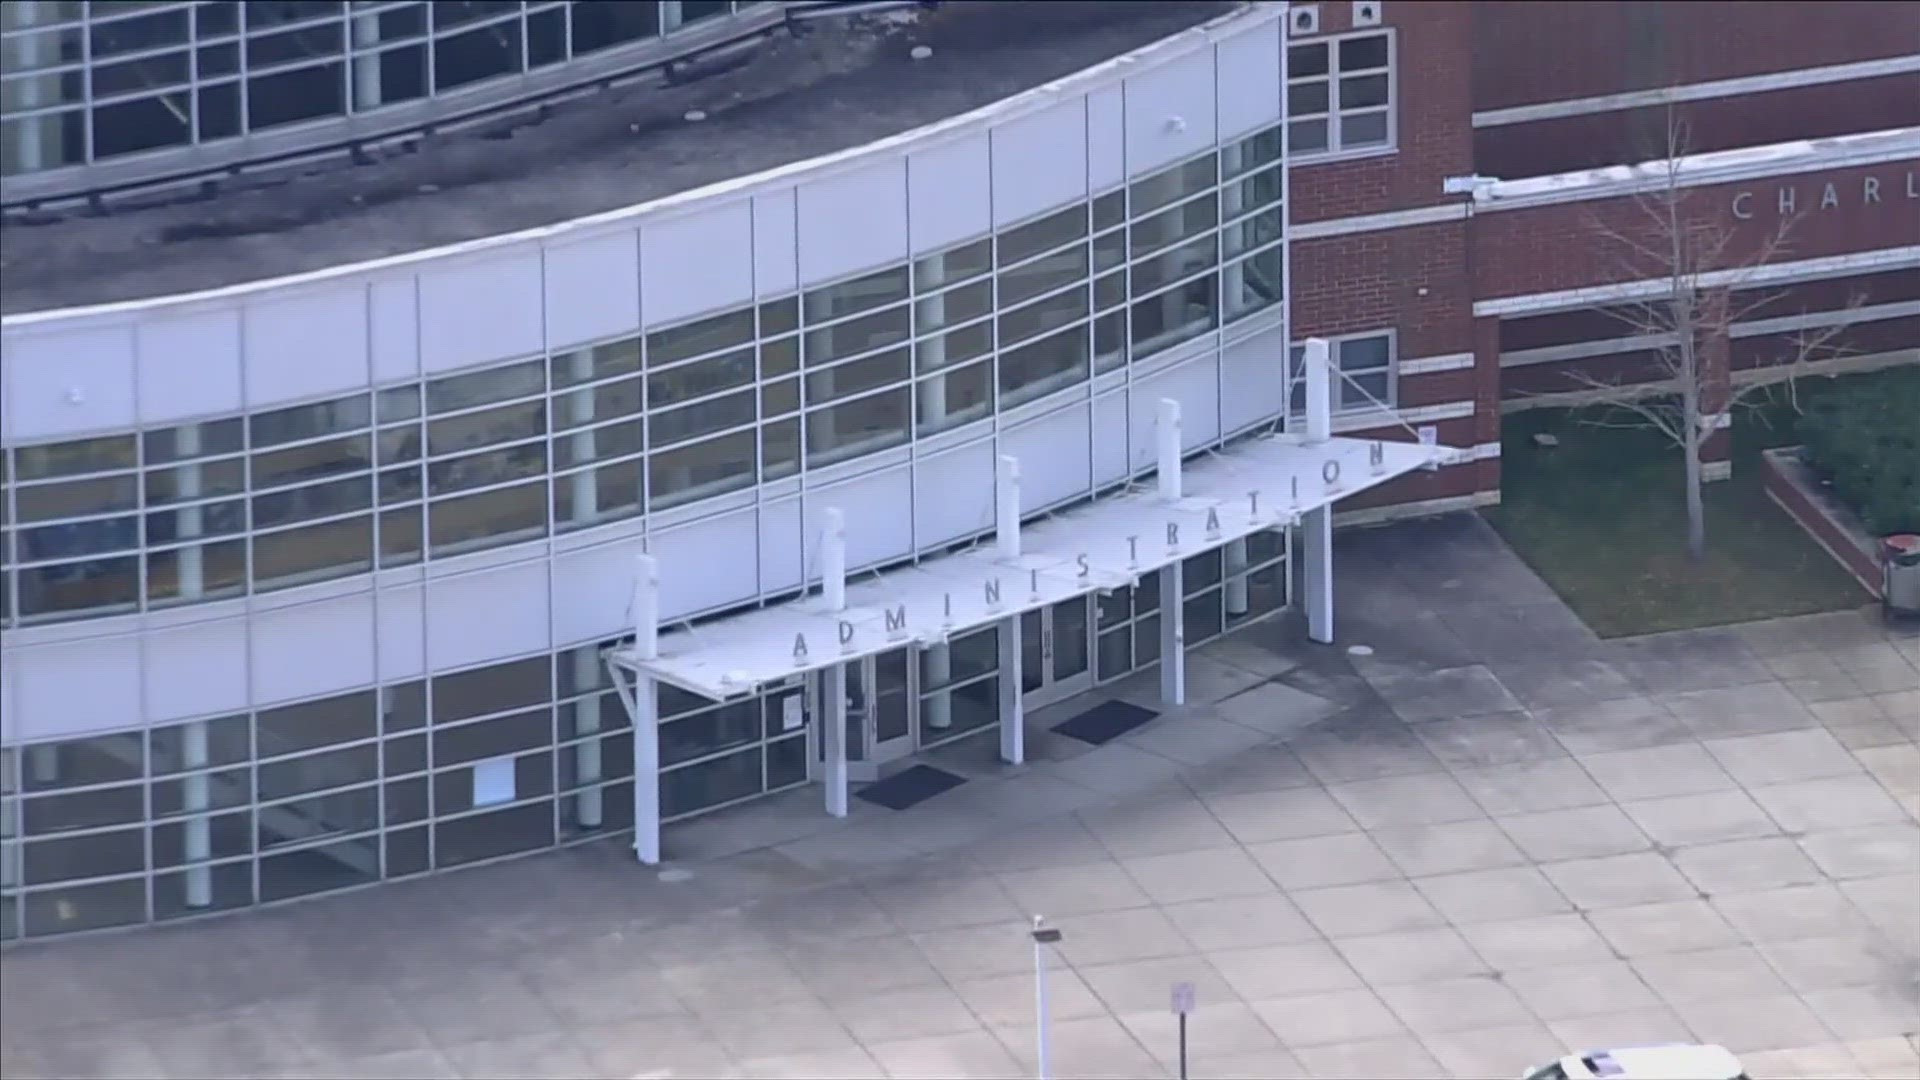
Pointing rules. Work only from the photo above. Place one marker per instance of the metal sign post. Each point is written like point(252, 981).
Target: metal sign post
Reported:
point(1043, 936)
point(1182, 1005)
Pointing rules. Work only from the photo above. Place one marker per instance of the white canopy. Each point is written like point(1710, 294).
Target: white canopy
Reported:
point(1109, 543)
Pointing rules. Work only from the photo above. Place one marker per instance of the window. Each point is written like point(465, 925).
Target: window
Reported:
point(1339, 94)
point(1366, 372)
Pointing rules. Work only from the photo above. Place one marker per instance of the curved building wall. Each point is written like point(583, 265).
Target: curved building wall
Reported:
point(351, 533)
point(90, 83)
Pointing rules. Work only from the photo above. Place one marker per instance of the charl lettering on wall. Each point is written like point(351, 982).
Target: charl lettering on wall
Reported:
point(1787, 199)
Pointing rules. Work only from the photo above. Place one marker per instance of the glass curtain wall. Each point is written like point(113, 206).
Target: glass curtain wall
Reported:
point(1225, 589)
point(387, 478)
point(230, 811)
point(86, 82)
point(311, 797)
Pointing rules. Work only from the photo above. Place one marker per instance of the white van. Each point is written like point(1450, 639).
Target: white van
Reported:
point(1678, 1062)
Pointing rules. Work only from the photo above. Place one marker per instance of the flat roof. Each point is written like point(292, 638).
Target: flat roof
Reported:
point(1262, 483)
point(848, 83)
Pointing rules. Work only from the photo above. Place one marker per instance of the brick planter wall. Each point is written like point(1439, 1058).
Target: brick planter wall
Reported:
point(1792, 485)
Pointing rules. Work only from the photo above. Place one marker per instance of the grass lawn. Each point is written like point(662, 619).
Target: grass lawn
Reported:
point(1602, 519)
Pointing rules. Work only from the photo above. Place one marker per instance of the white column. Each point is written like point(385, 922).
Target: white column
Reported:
point(43, 764)
point(588, 809)
point(189, 521)
point(1006, 506)
point(195, 799)
point(932, 352)
point(645, 707)
point(366, 67)
point(833, 559)
point(1166, 434)
point(1233, 277)
point(586, 493)
point(1173, 654)
point(1013, 717)
point(1319, 373)
point(1236, 585)
point(1173, 635)
point(937, 709)
point(9, 849)
point(833, 702)
point(1316, 528)
point(1317, 525)
point(38, 141)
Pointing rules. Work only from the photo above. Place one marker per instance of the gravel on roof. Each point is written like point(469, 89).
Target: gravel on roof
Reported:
point(847, 83)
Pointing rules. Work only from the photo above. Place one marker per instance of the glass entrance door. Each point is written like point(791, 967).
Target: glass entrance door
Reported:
point(1055, 652)
point(880, 714)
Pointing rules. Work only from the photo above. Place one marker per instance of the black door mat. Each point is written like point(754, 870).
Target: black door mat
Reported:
point(1105, 722)
point(910, 787)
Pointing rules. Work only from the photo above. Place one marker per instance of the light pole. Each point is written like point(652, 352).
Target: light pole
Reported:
point(1043, 935)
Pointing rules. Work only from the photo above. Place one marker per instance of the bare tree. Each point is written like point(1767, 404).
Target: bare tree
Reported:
point(1703, 264)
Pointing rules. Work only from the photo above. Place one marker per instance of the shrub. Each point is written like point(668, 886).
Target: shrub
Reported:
point(1863, 435)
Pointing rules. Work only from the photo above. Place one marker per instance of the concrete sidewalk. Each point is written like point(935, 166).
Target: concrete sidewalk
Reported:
point(1492, 839)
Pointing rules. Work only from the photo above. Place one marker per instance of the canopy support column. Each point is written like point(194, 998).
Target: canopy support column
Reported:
point(643, 705)
point(1173, 632)
point(833, 679)
point(1316, 526)
point(1006, 522)
point(1013, 716)
point(833, 702)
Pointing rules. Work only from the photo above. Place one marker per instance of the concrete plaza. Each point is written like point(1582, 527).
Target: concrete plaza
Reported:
point(1492, 839)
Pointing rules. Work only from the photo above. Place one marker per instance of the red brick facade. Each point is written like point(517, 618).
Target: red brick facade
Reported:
point(1593, 140)
point(1381, 245)
point(1526, 52)
point(1567, 246)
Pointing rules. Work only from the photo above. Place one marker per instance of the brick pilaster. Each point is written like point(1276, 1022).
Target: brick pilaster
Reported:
point(1716, 386)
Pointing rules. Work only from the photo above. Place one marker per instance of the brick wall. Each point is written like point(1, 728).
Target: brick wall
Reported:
point(1434, 125)
point(1567, 144)
point(1526, 52)
point(1450, 482)
point(1413, 279)
point(1561, 246)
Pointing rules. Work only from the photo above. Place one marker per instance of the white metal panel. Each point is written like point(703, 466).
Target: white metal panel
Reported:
point(1170, 112)
point(1086, 547)
point(307, 345)
point(1055, 456)
point(464, 621)
point(592, 288)
point(1106, 138)
point(480, 309)
point(775, 266)
point(1249, 80)
point(402, 630)
point(697, 264)
point(189, 364)
point(853, 221)
point(879, 510)
point(954, 496)
point(312, 650)
point(393, 309)
point(1253, 375)
point(68, 382)
point(705, 565)
point(1110, 438)
point(77, 687)
point(781, 545)
point(592, 592)
point(949, 194)
point(1040, 162)
point(196, 669)
point(9, 708)
point(1192, 384)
